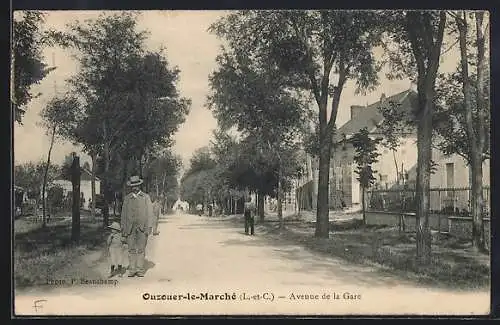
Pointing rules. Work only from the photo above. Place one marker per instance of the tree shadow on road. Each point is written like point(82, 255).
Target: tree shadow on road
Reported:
point(325, 267)
point(316, 256)
point(214, 225)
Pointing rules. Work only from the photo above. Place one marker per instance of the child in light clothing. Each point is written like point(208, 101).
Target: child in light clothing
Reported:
point(116, 250)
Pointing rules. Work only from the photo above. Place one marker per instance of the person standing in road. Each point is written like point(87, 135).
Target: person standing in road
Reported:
point(137, 224)
point(249, 212)
point(199, 209)
point(156, 214)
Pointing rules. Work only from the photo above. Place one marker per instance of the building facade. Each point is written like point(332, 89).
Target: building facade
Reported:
point(85, 185)
point(392, 166)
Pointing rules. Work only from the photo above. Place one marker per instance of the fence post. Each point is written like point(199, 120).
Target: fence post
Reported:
point(402, 200)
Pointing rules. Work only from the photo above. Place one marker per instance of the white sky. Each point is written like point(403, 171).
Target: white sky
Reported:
point(193, 50)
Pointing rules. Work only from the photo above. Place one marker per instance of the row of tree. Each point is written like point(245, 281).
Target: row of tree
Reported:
point(122, 106)
point(274, 62)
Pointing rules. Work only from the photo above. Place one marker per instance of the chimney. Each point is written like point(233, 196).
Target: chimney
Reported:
point(355, 110)
point(382, 98)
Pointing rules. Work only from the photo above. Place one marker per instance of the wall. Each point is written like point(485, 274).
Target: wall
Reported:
point(392, 219)
point(461, 171)
point(85, 187)
point(406, 157)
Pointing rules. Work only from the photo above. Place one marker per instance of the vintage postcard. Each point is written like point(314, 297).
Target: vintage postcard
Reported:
point(277, 162)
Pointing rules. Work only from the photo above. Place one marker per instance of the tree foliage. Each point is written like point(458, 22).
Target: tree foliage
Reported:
point(305, 47)
point(29, 176)
point(28, 69)
point(130, 102)
point(450, 122)
point(366, 154)
point(55, 196)
point(251, 94)
point(161, 174)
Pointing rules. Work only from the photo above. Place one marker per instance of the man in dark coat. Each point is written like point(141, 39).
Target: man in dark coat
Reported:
point(249, 212)
point(137, 223)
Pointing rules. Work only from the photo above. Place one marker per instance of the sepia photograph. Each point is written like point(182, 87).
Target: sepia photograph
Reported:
point(251, 162)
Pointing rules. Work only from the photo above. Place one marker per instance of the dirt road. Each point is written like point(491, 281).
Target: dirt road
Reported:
point(200, 266)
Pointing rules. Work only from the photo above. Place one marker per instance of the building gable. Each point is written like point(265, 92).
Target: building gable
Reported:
point(370, 116)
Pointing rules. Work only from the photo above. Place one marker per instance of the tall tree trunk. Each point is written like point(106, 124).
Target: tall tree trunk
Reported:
point(427, 61)
point(139, 159)
point(124, 178)
point(462, 25)
point(296, 205)
point(326, 129)
point(478, 226)
point(92, 185)
point(280, 201)
point(45, 177)
point(475, 159)
point(300, 199)
point(164, 191)
point(105, 180)
point(322, 213)
point(260, 206)
point(424, 156)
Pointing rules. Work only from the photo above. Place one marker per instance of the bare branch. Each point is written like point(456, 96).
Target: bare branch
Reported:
point(450, 47)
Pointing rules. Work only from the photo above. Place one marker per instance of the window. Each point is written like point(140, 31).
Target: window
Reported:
point(450, 175)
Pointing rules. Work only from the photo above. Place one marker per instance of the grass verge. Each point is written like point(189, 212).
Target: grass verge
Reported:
point(47, 253)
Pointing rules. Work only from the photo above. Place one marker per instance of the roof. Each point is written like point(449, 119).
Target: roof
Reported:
point(370, 116)
point(85, 175)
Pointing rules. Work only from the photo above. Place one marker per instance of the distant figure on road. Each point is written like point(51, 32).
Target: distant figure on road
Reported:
point(137, 224)
point(115, 246)
point(199, 209)
point(156, 214)
point(249, 212)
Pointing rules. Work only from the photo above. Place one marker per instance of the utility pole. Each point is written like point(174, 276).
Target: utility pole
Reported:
point(75, 181)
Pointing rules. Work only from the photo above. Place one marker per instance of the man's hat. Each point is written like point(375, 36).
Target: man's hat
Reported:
point(134, 181)
point(115, 225)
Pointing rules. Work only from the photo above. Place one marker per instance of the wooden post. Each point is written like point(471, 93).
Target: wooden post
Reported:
point(402, 200)
point(75, 181)
point(363, 204)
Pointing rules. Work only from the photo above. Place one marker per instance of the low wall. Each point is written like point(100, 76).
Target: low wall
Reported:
point(461, 227)
point(392, 219)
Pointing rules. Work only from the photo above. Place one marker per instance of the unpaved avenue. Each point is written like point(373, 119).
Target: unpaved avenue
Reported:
point(194, 255)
